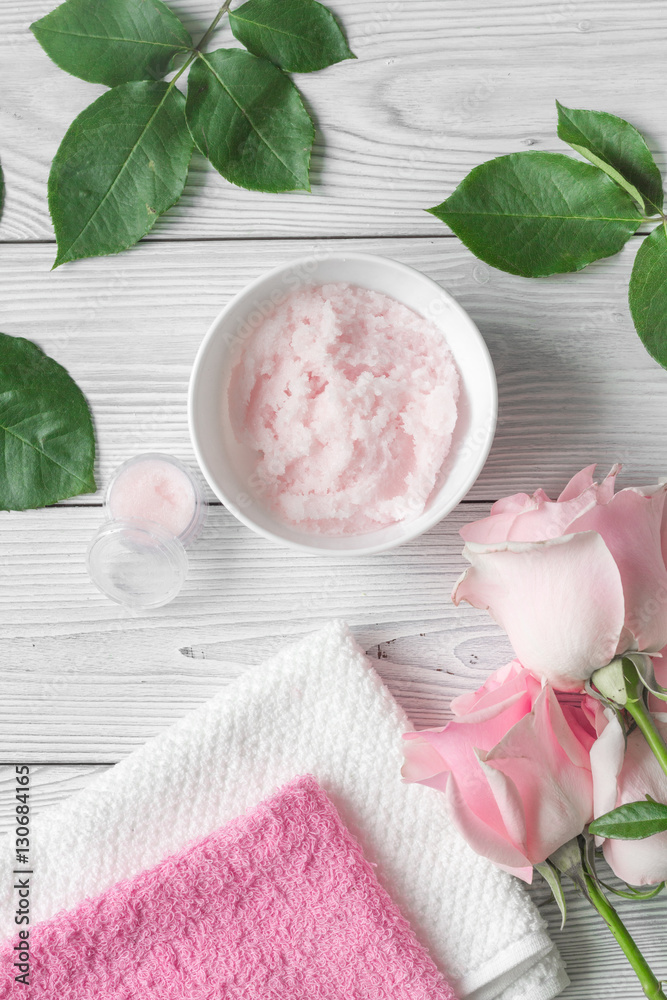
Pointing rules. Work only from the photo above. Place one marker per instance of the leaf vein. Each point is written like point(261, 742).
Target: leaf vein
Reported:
point(247, 116)
point(40, 451)
point(114, 38)
point(271, 27)
point(109, 191)
point(565, 218)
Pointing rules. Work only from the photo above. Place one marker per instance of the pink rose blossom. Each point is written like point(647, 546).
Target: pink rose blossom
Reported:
point(576, 581)
point(514, 766)
point(623, 775)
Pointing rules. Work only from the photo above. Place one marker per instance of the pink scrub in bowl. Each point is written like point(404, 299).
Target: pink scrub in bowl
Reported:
point(342, 403)
point(348, 399)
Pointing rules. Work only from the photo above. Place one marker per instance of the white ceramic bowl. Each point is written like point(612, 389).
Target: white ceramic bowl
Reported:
point(228, 466)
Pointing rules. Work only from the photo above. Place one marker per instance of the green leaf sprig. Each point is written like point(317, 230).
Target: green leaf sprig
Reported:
point(124, 160)
point(47, 442)
point(632, 821)
point(537, 213)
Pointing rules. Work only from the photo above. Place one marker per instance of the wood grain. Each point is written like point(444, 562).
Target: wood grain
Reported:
point(575, 384)
point(83, 680)
point(438, 86)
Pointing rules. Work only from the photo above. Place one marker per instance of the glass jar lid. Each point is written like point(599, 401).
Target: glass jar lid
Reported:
point(137, 563)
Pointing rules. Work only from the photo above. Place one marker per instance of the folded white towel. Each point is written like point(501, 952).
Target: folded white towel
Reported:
point(317, 707)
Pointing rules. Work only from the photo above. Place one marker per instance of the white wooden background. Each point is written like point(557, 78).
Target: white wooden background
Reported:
point(439, 85)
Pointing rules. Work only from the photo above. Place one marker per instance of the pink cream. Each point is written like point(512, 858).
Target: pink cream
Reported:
point(153, 489)
point(349, 400)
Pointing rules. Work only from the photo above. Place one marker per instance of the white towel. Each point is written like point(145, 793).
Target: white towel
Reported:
point(317, 707)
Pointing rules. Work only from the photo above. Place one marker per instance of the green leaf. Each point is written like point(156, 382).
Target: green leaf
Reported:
point(633, 821)
point(299, 35)
point(539, 213)
point(122, 163)
point(248, 118)
point(552, 876)
point(616, 147)
point(112, 41)
point(47, 443)
point(648, 294)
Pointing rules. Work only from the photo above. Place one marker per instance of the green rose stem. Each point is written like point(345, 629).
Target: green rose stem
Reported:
point(575, 861)
point(636, 706)
point(649, 982)
point(620, 683)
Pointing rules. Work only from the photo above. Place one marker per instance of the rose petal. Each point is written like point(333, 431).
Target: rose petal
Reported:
point(546, 520)
point(542, 757)
point(521, 518)
point(606, 762)
point(518, 784)
point(638, 862)
point(560, 719)
point(515, 504)
point(452, 750)
point(523, 873)
point(606, 487)
point(483, 838)
point(581, 719)
point(502, 689)
point(624, 774)
point(560, 602)
point(660, 668)
point(630, 526)
point(509, 802)
point(581, 481)
point(422, 760)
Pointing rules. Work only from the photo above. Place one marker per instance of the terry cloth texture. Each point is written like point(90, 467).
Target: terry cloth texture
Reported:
point(316, 708)
point(277, 905)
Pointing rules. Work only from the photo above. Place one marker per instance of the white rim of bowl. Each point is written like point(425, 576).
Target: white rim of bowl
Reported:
point(431, 520)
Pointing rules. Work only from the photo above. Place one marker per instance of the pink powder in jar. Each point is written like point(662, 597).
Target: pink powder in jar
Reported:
point(153, 489)
point(349, 400)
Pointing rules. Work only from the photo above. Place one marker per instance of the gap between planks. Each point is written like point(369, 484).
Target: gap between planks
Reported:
point(643, 231)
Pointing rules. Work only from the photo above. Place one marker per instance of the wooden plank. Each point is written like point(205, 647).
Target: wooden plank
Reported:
point(576, 386)
point(49, 785)
point(438, 86)
point(595, 964)
point(83, 680)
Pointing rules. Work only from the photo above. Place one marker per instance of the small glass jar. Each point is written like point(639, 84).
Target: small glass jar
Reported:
point(155, 509)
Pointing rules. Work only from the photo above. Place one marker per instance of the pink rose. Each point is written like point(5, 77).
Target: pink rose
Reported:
point(660, 667)
point(514, 766)
point(623, 775)
point(574, 582)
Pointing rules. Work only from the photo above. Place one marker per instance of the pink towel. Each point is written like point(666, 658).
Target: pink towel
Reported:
point(277, 905)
